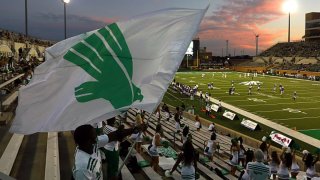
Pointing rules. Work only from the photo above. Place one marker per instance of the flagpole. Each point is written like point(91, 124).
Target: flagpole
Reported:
point(126, 158)
point(131, 149)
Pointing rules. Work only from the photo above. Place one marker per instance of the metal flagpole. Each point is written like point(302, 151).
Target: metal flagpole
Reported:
point(131, 149)
point(129, 153)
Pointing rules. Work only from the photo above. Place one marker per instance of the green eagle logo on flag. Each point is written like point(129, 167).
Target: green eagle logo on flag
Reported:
point(105, 56)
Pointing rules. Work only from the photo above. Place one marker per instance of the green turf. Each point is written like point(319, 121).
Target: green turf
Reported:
point(302, 114)
point(314, 133)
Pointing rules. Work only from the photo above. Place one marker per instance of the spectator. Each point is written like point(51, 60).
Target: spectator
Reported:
point(185, 134)
point(197, 123)
point(249, 158)
point(138, 136)
point(211, 146)
point(188, 158)
point(208, 109)
point(183, 107)
point(264, 146)
point(294, 167)
point(87, 151)
point(111, 151)
point(258, 170)
point(207, 99)
point(211, 127)
point(285, 164)
point(165, 107)
point(158, 113)
point(310, 162)
point(166, 110)
point(20, 52)
point(242, 152)
point(191, 110)
point(274, 164)
point(152, 149)
point(220, 105)
point(177, 118)
point(234, 159)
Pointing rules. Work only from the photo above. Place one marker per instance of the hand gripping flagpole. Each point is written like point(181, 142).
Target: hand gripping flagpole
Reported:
point(131, 149)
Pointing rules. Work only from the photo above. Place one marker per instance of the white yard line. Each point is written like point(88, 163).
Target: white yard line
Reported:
point(287, 119)
point(174, 96)
point(287, 111)
point(293, 79)
point(278, 104)
point(283, 98)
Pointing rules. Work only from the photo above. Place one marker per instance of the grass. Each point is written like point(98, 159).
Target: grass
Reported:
point(302, 114)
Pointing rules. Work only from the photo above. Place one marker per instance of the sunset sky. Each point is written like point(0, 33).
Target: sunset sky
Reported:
point(235, 20)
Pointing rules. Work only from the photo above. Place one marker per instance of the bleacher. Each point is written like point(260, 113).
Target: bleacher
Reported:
point(198, 140)
point(300, 56)
point(293, 49)
point(52, 161)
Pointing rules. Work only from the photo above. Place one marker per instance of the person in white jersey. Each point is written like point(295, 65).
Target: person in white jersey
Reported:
point(310, 162)
point(111, 151)
point(88, 157)
point(188, 159)
point(153, 148)
point(211, 146)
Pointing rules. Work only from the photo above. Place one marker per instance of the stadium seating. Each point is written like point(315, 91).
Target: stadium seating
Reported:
point(52, 157)
point(168, 129)
point(126, 174)
point(8, 157)
point(293, 49)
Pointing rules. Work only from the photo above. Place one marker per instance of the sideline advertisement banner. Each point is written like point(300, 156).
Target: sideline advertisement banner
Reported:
point(280, 139)
point(215, 107)
point(229, 115)
point(250, 124)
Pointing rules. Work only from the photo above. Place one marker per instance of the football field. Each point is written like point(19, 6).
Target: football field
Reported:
point(302, 113)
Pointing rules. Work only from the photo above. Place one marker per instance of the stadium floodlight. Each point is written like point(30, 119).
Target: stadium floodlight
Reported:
point(65, 2)
point(289, 6)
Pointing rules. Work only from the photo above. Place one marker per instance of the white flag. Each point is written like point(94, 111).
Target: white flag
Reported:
point(97, 75)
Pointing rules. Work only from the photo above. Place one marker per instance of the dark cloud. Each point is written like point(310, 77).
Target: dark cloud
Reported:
point(51, 26)
point(70, 17)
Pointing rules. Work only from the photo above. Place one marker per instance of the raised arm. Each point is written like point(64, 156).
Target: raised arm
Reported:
point(316, 159)
point(158, 140)
point(177, 163)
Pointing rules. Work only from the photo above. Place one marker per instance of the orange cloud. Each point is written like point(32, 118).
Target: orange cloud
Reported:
point(238, 21)
point(104, 19)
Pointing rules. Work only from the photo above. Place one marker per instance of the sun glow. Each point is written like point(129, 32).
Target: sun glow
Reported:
point(289, 6)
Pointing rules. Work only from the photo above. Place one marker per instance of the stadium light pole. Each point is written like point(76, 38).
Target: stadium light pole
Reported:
point(227, 48)
point(26, 16)
point(65, 2)
point(289, 29)
point(26, 21)
point(289, 7)
point(257, 44)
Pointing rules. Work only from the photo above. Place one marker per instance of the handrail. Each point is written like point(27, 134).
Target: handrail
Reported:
point(10, 81)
